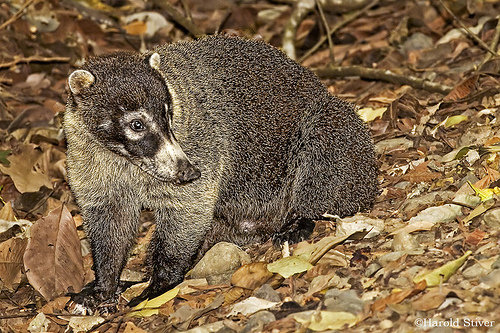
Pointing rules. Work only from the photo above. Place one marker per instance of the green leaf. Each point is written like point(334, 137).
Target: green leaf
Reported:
point(443, 273)
point(289, 266)
point(454, 120)
point(325, 320)
point(150, 307)
point(3, 157)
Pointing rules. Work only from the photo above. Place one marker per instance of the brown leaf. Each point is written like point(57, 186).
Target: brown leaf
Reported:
point(131, 328)
point(53, 258)
point(136, 28)
point(24, 170)
point(251, 276)
point(11, 261)
point(7, 213)
point(421, 174)
point(462, 89)
point(431, 300)
point(475, 237)
point(380, 304)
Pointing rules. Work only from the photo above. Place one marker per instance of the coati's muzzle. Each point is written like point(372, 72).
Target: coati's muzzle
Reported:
point(170, 164)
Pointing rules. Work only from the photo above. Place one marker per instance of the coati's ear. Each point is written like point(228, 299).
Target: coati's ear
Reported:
point(154, 61)
point(79, 80)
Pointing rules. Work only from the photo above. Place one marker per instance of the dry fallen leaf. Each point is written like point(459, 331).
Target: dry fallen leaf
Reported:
point(11, 261)
point(289, 266)
point(251, 276)
point(150, 307)
point(325, 320)
point(53, 258)
point(397, 297)
point(24, 170)
point(250, 306)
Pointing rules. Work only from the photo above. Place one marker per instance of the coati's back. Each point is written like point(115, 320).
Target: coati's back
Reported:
point(287, 146)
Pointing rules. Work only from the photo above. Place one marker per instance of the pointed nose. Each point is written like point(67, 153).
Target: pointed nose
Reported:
point(187, 172)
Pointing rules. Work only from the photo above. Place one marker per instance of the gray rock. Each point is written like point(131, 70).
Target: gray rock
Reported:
point(219, 263)
point(492, 218)
point(475, 271)
point(268, 293)
point(390, 257)
point(343, 300)
point(257, 321)
point(417, 41)
point(492, 279)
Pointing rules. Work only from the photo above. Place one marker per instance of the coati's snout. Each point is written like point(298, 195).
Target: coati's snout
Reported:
point(187, 172)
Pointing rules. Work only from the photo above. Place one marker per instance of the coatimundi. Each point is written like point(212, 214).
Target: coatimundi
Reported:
point(225, 139)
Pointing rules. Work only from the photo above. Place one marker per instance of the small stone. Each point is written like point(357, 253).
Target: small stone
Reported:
point(386, 324)
point(399, 282)
point(268, 293)
point(417, 41)
point(372, 269)
point(390, 257)
point(475, 271)
point(219, 263)
point(492, 218)
point(257, 321)
point(343, 300)
point(492, 279)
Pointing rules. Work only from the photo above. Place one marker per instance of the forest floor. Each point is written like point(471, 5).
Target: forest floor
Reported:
point(425, 75)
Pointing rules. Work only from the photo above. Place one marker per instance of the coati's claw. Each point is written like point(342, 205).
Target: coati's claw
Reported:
point(90, 302)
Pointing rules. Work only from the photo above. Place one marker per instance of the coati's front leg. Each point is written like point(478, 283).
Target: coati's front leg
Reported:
point(111, 229)
point(178, 236)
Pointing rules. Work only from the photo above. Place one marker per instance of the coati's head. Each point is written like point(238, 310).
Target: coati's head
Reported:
point(126, 106)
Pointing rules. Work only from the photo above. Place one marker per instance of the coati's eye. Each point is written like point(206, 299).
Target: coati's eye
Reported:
point(137, 125)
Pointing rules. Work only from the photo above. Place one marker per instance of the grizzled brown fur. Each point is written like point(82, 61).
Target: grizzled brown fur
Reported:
point(275, 150)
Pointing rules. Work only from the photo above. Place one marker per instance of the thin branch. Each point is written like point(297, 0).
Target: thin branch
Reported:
point(469, 33)
point(301, 10)
point(382, 74)
point(33, 59)
point(493, 45)
point(327, 28)
point(179, 18)
point(18, 14)
point(348, 19)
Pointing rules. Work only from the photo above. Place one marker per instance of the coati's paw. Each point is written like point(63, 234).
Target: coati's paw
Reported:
point(90, 302)
point(297, 231)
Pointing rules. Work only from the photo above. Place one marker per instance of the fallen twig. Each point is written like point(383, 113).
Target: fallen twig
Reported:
point(382, 74)
point(18, 14)
point(301, 10)
point(467, 30)
point(493, 45)
point(348, 18)
point(327, 29)
point(19, 60)
point(179, 18)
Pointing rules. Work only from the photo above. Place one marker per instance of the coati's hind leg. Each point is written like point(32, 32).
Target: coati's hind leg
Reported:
point(296, 230)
